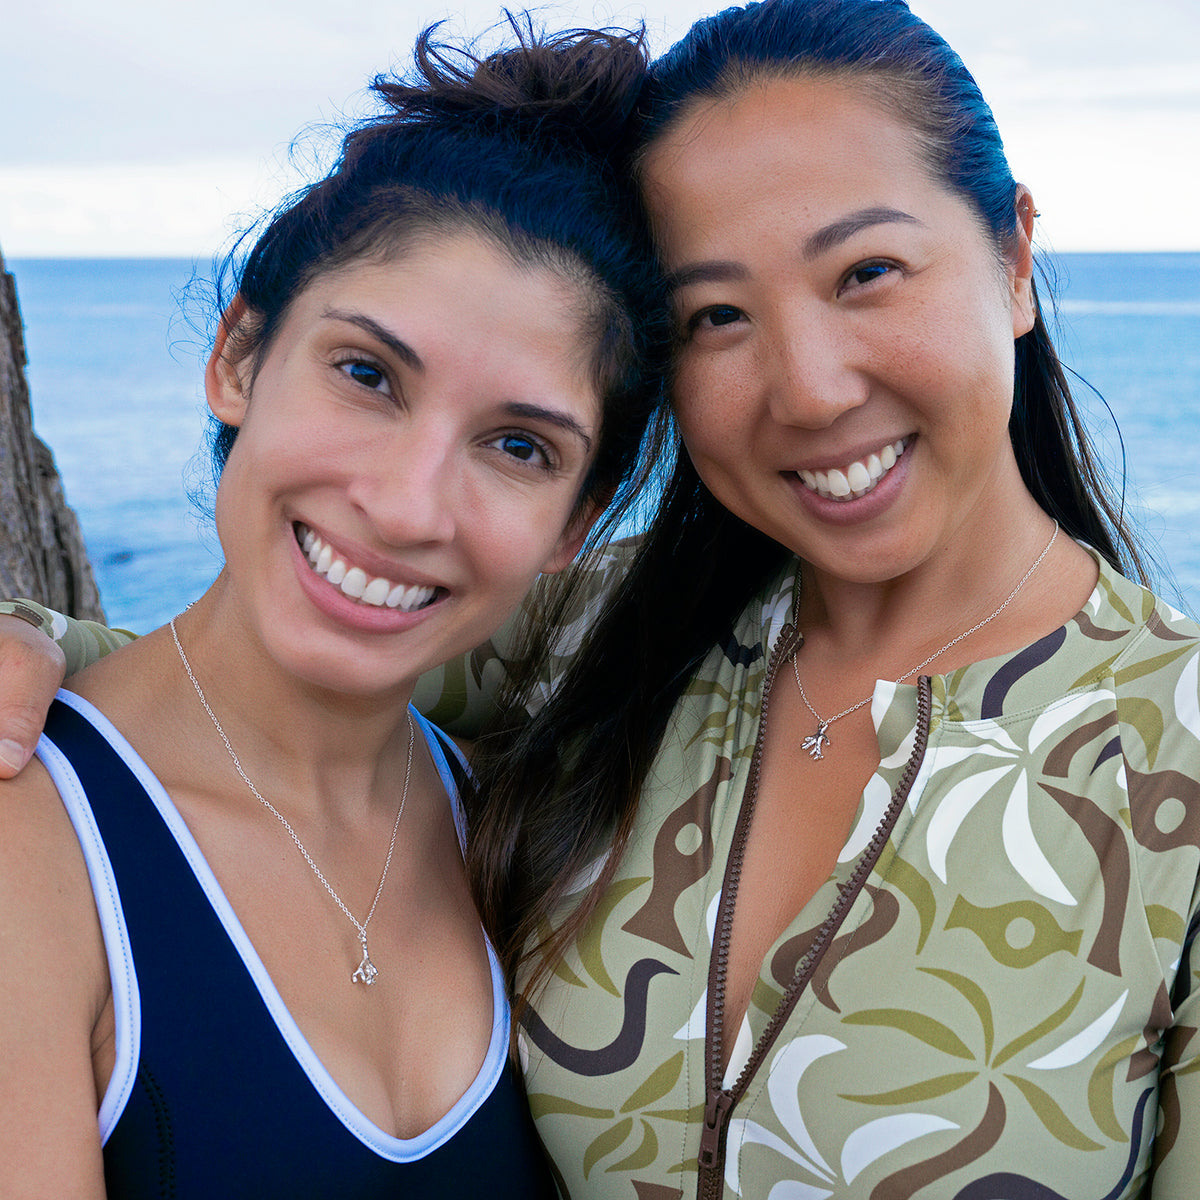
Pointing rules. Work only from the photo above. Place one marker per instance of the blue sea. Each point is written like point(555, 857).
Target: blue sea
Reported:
point(115, 372)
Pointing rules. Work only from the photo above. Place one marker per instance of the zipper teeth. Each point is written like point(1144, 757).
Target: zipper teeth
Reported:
point(846, 896)
point(786, 644)
point(709, 1179)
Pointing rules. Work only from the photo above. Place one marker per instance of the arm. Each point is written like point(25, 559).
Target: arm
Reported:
point(460, 696)
point(1176, 1148)
point(53, 988)
point(39, 648)
point(32, 665)
point(1176, 1126)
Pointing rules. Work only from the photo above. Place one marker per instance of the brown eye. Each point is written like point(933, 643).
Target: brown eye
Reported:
point(723, 315)
point(865, 274)
point(518, 447)
point(714, 317)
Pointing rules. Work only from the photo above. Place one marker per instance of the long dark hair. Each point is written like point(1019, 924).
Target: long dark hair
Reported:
point(524, 145)
point(550, 813)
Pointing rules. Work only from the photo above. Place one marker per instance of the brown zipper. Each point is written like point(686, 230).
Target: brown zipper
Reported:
point(720, 1102)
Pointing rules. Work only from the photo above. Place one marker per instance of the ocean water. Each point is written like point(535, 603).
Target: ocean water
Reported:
point(115, 374)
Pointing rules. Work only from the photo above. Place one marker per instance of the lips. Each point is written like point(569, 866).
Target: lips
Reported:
point(353, 581)
point(857, 478)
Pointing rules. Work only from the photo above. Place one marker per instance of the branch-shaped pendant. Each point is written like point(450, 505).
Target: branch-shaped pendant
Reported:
point(367, 972)
point(815, 743)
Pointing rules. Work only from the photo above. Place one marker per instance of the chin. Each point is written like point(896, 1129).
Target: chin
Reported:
point(874, 561)
point(333, 666)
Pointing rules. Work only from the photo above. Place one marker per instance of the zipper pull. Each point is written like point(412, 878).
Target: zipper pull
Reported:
point(716, 1118)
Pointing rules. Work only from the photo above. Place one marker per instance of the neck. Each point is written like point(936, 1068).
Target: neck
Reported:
point(334, 749)
point(891, 625)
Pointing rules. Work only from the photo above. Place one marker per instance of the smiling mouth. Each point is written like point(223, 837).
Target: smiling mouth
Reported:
point(355, 583)
point(855, 479)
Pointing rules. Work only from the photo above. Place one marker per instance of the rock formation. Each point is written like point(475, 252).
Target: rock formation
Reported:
point(41, 548)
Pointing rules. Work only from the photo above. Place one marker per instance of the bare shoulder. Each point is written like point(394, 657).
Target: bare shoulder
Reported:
point(53, 987)
point(42, 868)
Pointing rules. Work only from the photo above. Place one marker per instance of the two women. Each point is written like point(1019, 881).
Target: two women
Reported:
point(856, 850)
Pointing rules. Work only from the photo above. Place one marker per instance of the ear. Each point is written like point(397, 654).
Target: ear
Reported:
point(1020, 264)
point(573, 537)
point(224, 387)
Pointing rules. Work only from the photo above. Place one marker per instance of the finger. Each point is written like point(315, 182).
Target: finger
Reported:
point(31, 668)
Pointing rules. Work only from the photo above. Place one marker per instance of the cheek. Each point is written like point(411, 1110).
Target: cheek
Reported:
point(960, 375)
point(991, 382)
point(722, 452)
point(695, 428)
point(995, 341)
point(512, 538)
point(709, 399)
point(230, 501)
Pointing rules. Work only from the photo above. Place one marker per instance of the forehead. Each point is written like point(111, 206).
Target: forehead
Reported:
point(462, 277)
point(809, 142)
point(463, 304)
point(456, 258)
point(772, 105)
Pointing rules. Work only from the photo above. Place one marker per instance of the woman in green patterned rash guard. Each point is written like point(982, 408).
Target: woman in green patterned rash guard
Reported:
point(853, 849)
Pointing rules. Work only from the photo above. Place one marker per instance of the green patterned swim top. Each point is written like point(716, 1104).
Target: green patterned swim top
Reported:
point(1008, 1006)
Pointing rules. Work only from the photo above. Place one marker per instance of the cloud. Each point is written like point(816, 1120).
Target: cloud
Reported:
point(139, 128)
point(127, 210)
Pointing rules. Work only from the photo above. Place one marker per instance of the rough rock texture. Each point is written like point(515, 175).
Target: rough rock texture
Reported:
point(42, 554)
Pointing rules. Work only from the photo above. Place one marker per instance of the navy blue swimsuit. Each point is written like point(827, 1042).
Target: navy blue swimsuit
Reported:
point(215, 1092)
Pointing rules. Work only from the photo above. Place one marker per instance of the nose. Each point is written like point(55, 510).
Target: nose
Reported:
point(812, 373)
point(408, 487)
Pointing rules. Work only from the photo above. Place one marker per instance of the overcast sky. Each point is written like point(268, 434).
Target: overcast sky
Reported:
point(139, 127)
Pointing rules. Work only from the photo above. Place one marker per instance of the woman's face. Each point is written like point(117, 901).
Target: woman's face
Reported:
point(845, 371)
point(409, 458)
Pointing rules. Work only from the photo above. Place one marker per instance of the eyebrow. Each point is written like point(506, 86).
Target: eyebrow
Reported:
point(717, 271)
point(551, 416)
point(402, 350)
point(842, 230)
point(816, 244)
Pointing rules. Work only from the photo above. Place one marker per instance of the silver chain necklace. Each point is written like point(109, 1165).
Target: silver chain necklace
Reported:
point(816, 742)
point(366, 972)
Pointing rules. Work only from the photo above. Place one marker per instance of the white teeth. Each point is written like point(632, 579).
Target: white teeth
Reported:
point(354, 581)
point(856, 479)
point(376, 592)
point(407, 599)
point(839, 485)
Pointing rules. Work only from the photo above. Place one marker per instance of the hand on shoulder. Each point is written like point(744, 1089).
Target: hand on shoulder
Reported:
point(31, 668)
